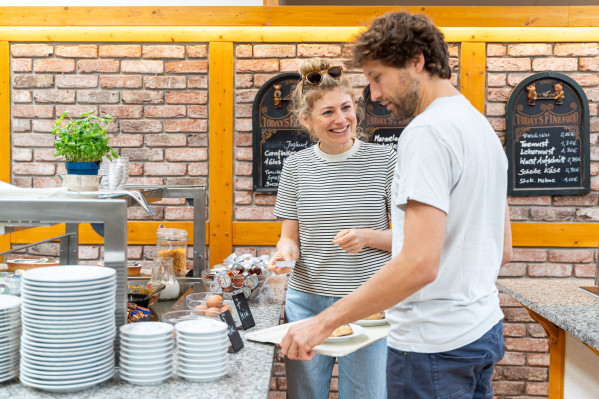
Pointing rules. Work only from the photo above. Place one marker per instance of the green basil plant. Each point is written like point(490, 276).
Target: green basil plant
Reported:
point(83, 140)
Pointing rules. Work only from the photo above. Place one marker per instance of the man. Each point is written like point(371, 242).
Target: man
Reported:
point(450, 225)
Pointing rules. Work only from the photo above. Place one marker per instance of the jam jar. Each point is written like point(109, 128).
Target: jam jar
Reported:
point(172, 243)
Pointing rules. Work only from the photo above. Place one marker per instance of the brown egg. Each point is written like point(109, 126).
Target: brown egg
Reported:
point(214, 301)
point(200, 309)
point(212, 312)
point(225, 308)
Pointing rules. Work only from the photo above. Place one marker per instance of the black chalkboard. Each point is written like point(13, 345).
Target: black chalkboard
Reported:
point(276, 132)
point(378, 123)
point(243, 310)
point(548, 137)
point(234, 337)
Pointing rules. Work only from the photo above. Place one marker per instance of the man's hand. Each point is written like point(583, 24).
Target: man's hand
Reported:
point(350, 240)
point(297, 344)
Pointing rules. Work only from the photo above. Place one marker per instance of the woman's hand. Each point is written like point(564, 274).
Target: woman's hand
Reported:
point(351, 240)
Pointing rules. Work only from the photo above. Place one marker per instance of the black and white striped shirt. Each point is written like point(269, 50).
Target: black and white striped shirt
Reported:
point(329, 193)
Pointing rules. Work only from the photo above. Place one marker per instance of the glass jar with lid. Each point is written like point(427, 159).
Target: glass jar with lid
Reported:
point(172, 243)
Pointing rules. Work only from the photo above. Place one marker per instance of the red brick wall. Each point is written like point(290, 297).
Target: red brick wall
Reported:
point(159, 95)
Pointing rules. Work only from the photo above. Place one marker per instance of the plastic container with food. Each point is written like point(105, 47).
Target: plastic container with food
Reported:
point(207, 302)
point(172, 243)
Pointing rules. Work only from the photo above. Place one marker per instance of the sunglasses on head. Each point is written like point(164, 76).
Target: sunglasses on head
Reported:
point(314, 78)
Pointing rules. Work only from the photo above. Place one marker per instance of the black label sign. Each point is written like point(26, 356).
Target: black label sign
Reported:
point(276, 131)
point(243, 310)
point(378, 123)
point(234, 337)
point(548, 137)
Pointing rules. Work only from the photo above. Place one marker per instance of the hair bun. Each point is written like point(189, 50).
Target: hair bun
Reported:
point(313, 64)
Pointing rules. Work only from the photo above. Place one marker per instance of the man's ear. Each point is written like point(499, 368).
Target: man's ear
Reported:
point(418, 62)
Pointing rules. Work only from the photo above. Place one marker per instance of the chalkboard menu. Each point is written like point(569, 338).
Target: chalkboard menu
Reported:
point(277, 133)
point(548, 137)
point(378, 123)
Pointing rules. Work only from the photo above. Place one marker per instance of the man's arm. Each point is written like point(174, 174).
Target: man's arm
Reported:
point(508, 254)
point(415, 267)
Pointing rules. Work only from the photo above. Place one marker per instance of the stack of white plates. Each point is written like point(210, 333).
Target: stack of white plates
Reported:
point(202, 347)
point(68, 327)
point(146, 352)
point(10, 336)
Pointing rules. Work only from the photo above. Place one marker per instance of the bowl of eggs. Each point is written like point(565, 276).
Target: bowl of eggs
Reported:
point(210, 304)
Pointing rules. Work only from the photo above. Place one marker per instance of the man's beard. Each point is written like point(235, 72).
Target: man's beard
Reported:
point(405, 106)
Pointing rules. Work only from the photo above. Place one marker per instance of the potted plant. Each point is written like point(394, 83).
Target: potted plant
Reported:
point(83, 142)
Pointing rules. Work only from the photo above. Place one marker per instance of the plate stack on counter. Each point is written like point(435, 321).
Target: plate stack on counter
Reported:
point(146, 353)
point(10, 336)
point(202, 347)
point(68, 317)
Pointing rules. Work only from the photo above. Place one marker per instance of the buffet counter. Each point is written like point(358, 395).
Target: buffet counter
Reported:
point(248, 373)
point(570, 316)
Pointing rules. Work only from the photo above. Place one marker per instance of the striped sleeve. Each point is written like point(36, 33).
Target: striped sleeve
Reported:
point(285, 206)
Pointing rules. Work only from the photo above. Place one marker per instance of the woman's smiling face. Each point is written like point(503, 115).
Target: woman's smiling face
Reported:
point(333, 121)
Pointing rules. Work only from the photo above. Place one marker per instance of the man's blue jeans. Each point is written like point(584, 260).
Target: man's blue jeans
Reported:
point(463, 373)
point(361, 374)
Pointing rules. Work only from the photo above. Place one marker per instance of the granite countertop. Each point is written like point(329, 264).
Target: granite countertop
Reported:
point(562, 302)
point(248, 375)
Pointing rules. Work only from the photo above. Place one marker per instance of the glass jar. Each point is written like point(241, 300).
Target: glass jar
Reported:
point(162, 272)
point(172, 243)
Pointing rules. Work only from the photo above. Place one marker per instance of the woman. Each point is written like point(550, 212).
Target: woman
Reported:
point(333, 200)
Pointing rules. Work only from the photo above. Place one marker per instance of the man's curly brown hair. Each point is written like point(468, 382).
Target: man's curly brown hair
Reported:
point(395, 38)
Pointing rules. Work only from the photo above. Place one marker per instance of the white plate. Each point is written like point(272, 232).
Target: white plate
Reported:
point(9, 302)
point(146, 329)
point(67, 364)
point(201, 327)
point(200, 367)
point(138, 342)
point(146, 369)
point(202, 378)
point(200, 346)
point(100, 306)
point(73, 387)
point(162, 358)
point(371, 323)
point(57, 294)
point(167, 360)
point(64, 342)
point(68, 352)
point(73, 324)
point(55, 360)
point(84, 329)
point(58, 289)
point(209, 350)
point(185, 340)
point(219, 356)
point(48, 304)
point(64, 373)
point(162, 374)
point(144, 353)
point(357, 331)
point(140, 345)
point(66, 334)
point(144, 381)
point(68, 315)
point(66, 274)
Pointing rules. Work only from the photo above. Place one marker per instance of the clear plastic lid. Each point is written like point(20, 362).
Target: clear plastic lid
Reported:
point(170, 234)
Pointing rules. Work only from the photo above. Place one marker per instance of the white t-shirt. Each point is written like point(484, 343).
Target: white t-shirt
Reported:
point(329, 193)
point(450, 158)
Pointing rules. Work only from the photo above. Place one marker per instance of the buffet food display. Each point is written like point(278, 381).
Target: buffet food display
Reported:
point(238, 274)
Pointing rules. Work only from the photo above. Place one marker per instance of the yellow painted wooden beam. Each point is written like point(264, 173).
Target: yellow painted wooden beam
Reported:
point(252, 233)
point(138, 233)
point(5, 155)
point(220, 152)
point(472, 73)
point(561, 16)
point(280, 34)
point(557, 355)
point(579, 235)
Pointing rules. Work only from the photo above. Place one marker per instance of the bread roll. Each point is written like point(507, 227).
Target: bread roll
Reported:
point(341, 331)
point(376, 316)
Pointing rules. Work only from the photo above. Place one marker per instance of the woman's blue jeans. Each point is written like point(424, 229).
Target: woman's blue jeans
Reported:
point(361, 373)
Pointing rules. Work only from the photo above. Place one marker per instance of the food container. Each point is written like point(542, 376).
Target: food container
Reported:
point(208, 304)
point(172, 243)
point(235, 278)
point(145, 289)
point(30, 262)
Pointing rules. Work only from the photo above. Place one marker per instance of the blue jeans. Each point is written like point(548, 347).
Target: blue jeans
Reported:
point(463, 373)
point(361, 373)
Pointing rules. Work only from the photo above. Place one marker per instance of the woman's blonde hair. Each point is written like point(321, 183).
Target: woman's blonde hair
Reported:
point(303, 99)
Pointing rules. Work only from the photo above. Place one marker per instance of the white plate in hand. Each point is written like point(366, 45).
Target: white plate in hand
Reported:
point(371, 323)
point(357, 331)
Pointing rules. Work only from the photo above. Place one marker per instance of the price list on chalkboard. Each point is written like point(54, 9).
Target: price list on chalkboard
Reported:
point(548, 137)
